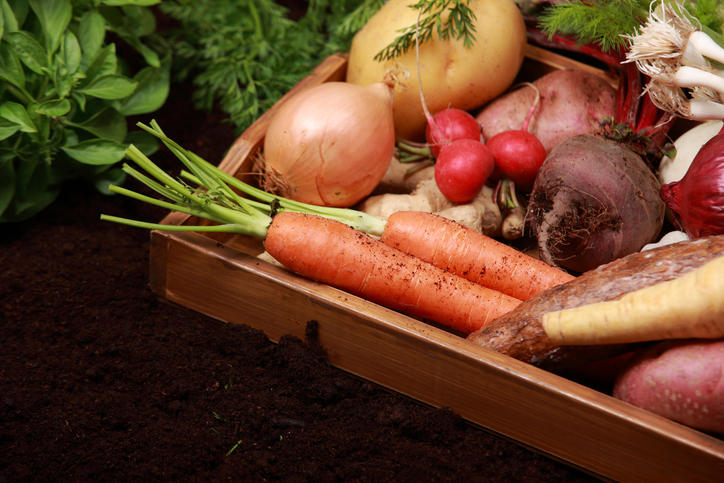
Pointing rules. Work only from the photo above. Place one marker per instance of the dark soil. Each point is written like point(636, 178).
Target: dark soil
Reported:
point(102, 381)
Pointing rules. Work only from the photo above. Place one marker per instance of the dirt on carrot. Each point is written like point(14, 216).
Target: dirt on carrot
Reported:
point(471, 254)
point(331, 252)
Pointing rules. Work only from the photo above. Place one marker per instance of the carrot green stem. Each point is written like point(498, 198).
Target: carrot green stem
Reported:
point(215, 200)
point(205, 174)
point(226, 228)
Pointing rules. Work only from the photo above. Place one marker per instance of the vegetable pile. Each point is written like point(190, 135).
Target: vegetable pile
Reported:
point(529, 218)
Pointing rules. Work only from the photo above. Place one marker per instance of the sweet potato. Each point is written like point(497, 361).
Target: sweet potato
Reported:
point(682, 380)
point(571, 102)
point(520, 333)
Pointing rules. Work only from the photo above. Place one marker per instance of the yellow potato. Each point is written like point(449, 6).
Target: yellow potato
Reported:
point(452, 75)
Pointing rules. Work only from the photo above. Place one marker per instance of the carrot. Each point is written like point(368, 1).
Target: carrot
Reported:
point(691, 306)
point(471, 254)
point(333, 253)
point(321, 249)
point(434, 239)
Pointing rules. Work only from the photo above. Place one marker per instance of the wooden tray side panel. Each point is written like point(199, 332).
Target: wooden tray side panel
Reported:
point(590, 429)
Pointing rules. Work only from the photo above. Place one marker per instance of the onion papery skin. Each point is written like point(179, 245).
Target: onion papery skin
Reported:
point(330, 144)
point(698, 198)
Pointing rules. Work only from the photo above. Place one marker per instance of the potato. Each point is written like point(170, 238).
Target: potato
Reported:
point(571, 102)
point(452, 75)
point(682, 380)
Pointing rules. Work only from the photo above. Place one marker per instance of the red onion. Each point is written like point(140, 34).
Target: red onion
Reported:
point(698, 198)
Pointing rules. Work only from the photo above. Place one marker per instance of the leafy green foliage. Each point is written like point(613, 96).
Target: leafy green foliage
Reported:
point(447, 18)
point(65, 94)
point(604, 22)
point(244, 55)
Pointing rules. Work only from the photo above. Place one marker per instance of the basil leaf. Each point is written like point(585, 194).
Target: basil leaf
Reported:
point(110, 87)
point(146, 142)
point(149, 55)
point(7, 128)
point(54, 108)
point(114, 176)
point(10, 68)
point(96, 151)
point(152, 90)
point(106, 124)
point(10, 23)
point(16, 113)
point(104, 63)
point(71, 52)
point(54, 17)
point(29, 50)
point(79, 98)
point(91, 33)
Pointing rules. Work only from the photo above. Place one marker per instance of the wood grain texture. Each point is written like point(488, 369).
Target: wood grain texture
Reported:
point(222, 277)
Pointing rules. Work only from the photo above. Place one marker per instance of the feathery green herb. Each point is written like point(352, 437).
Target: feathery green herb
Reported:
point(605, 22)
point(459, 24)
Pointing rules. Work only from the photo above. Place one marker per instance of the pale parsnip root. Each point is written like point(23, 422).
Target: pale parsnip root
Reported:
point(691, 306)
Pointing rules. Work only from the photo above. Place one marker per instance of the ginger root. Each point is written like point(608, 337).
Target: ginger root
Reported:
point(481, 214)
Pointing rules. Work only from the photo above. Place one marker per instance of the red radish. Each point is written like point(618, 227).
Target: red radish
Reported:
point(462, 168)
point(518, 153)
point(450, 125)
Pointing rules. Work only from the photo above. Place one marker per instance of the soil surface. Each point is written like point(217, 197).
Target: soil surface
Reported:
point(101, 380)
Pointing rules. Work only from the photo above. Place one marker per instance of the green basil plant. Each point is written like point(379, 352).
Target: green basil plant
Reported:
point(65, 93)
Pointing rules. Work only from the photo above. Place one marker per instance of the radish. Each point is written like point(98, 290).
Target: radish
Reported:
point(518, 153)
point(450, 125)
point(461, 169)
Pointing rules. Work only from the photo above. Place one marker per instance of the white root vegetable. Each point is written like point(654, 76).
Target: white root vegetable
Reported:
point(670, 238)
point(687, 146)
point(691, 306)
point(680, 60)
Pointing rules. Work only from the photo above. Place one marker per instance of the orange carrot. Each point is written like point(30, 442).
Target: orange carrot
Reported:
point(470, 254)
point(333, 253)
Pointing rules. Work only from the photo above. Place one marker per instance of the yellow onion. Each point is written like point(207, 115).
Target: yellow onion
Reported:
point(330, 144)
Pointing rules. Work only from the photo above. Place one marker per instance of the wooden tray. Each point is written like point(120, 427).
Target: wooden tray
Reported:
point(218, 275)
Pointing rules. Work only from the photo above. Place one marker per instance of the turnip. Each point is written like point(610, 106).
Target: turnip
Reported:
point(593, 201)
point(572, 102)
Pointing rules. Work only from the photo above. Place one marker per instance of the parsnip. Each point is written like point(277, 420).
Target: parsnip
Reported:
point(691, 306)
